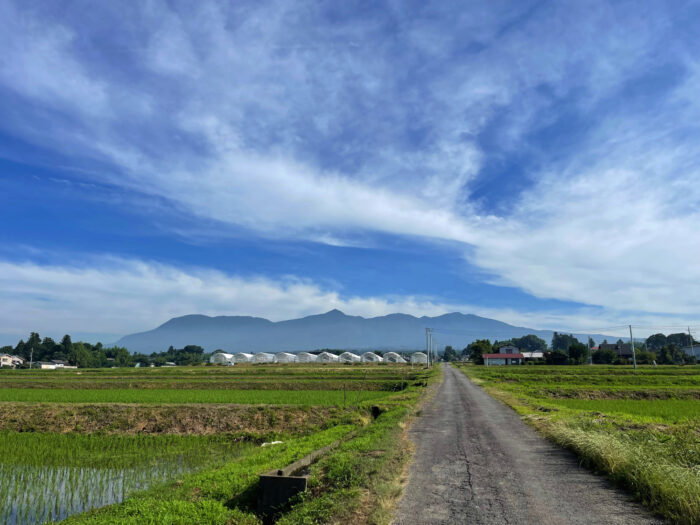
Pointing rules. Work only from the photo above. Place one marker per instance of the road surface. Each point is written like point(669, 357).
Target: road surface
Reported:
point(477, 463)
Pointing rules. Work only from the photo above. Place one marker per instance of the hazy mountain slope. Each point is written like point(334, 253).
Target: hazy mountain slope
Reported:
point(333, 329)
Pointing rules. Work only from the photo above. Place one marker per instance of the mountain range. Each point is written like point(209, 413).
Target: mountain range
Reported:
point(332, 329)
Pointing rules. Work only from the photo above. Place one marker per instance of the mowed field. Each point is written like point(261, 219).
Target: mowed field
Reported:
point(640, 427)
point(184, 444)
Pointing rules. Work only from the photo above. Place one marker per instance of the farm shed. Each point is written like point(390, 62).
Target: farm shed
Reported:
point(371, 357)
point(349, 357)
point(285, 357)
point(10, 360)
point(222, 358)
point(263, 357)
point(503, 359)
point(533, 355)
point(242, 357)
point(327, 357)
point(306, 357)
point(393, 357)
point(419, 357)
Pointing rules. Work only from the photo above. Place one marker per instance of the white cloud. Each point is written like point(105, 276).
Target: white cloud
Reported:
point(120, 296)
point(237, 110)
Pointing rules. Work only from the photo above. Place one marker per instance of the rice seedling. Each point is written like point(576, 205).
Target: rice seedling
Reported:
point(46, 477)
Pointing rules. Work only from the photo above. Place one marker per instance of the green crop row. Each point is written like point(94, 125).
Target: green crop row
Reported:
point(245, 397)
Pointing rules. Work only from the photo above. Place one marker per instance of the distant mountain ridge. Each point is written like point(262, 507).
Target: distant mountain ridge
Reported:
point(333, 329)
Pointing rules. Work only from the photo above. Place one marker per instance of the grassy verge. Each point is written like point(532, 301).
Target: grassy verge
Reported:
point(651, 448)
point(361, 481)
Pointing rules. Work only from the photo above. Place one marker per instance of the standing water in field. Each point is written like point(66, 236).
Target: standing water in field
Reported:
point(65, 475)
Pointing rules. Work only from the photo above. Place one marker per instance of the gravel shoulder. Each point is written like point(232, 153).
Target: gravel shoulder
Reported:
point(476, 462)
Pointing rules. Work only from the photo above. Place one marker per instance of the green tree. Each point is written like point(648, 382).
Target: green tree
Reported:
point(656, 341)
point(80, 356)
point(563, 341)
point(680, 339)
point(604, 357)
point(450, 354)
point(556, 357)
point(530, 343)
point(578, 353)
point(477, 349)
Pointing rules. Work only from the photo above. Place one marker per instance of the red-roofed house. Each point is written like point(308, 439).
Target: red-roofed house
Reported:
point(507, 355)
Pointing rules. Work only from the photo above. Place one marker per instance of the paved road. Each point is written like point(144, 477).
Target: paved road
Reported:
point(478, 463)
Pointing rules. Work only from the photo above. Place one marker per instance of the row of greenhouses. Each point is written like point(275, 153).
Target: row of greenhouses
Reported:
point(223, 358)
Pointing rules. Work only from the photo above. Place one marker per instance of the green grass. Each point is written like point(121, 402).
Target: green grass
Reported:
point(638, 427)
point(661, 410)
point(120, 395)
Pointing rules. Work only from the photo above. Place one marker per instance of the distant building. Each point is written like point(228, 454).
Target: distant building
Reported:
point(263, 357)
point(503, 359)
point(222, 358)
point(242, 357)
point(692, 351)
point(10, 360)
point(621, 349)
point(327, 357)
point(349, 357)
point(508, 349)
point(285, 357)
point(371, 357)
point(306, 357)
point(419, 358)
point(44, 365)
point(169, 363)
point(533, 355)
point(393, 357)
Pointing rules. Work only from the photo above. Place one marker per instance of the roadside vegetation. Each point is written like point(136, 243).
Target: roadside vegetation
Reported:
point(154, 451)
point(641, 428)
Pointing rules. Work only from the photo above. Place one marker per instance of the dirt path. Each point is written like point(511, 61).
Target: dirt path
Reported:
point(478, 463)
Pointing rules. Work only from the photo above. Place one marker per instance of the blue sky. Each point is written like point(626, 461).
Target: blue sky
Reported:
point(536, 162)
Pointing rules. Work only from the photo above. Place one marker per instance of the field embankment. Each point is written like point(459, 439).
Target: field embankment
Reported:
point(640, 428)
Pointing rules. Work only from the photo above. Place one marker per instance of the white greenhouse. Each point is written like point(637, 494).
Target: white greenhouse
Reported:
point(349, 357)
point(221, 358)
point(419, 357)
point(306, 357)
point(371, 357)
point(393, 357)
point(263, 357)
point(242, 357)
point(327, 357)
point(285, 357)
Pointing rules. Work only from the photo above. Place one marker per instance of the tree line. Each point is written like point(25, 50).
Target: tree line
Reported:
point(566, 349)
point(87, 355)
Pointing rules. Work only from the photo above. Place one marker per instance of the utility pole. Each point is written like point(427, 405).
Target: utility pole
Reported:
point(427, 344)
point(31, 355)
point(590, 351)
point(692, 350)
point(634, 355)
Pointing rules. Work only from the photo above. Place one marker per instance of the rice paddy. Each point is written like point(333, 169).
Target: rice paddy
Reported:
point(638, 427)
point(243, 397)
point(90, 438)
point(46, 477)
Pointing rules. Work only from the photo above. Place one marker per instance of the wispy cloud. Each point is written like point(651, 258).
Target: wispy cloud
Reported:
point(296, 122)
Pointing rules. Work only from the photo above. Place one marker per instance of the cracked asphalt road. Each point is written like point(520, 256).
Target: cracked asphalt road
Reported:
point(476, 462)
